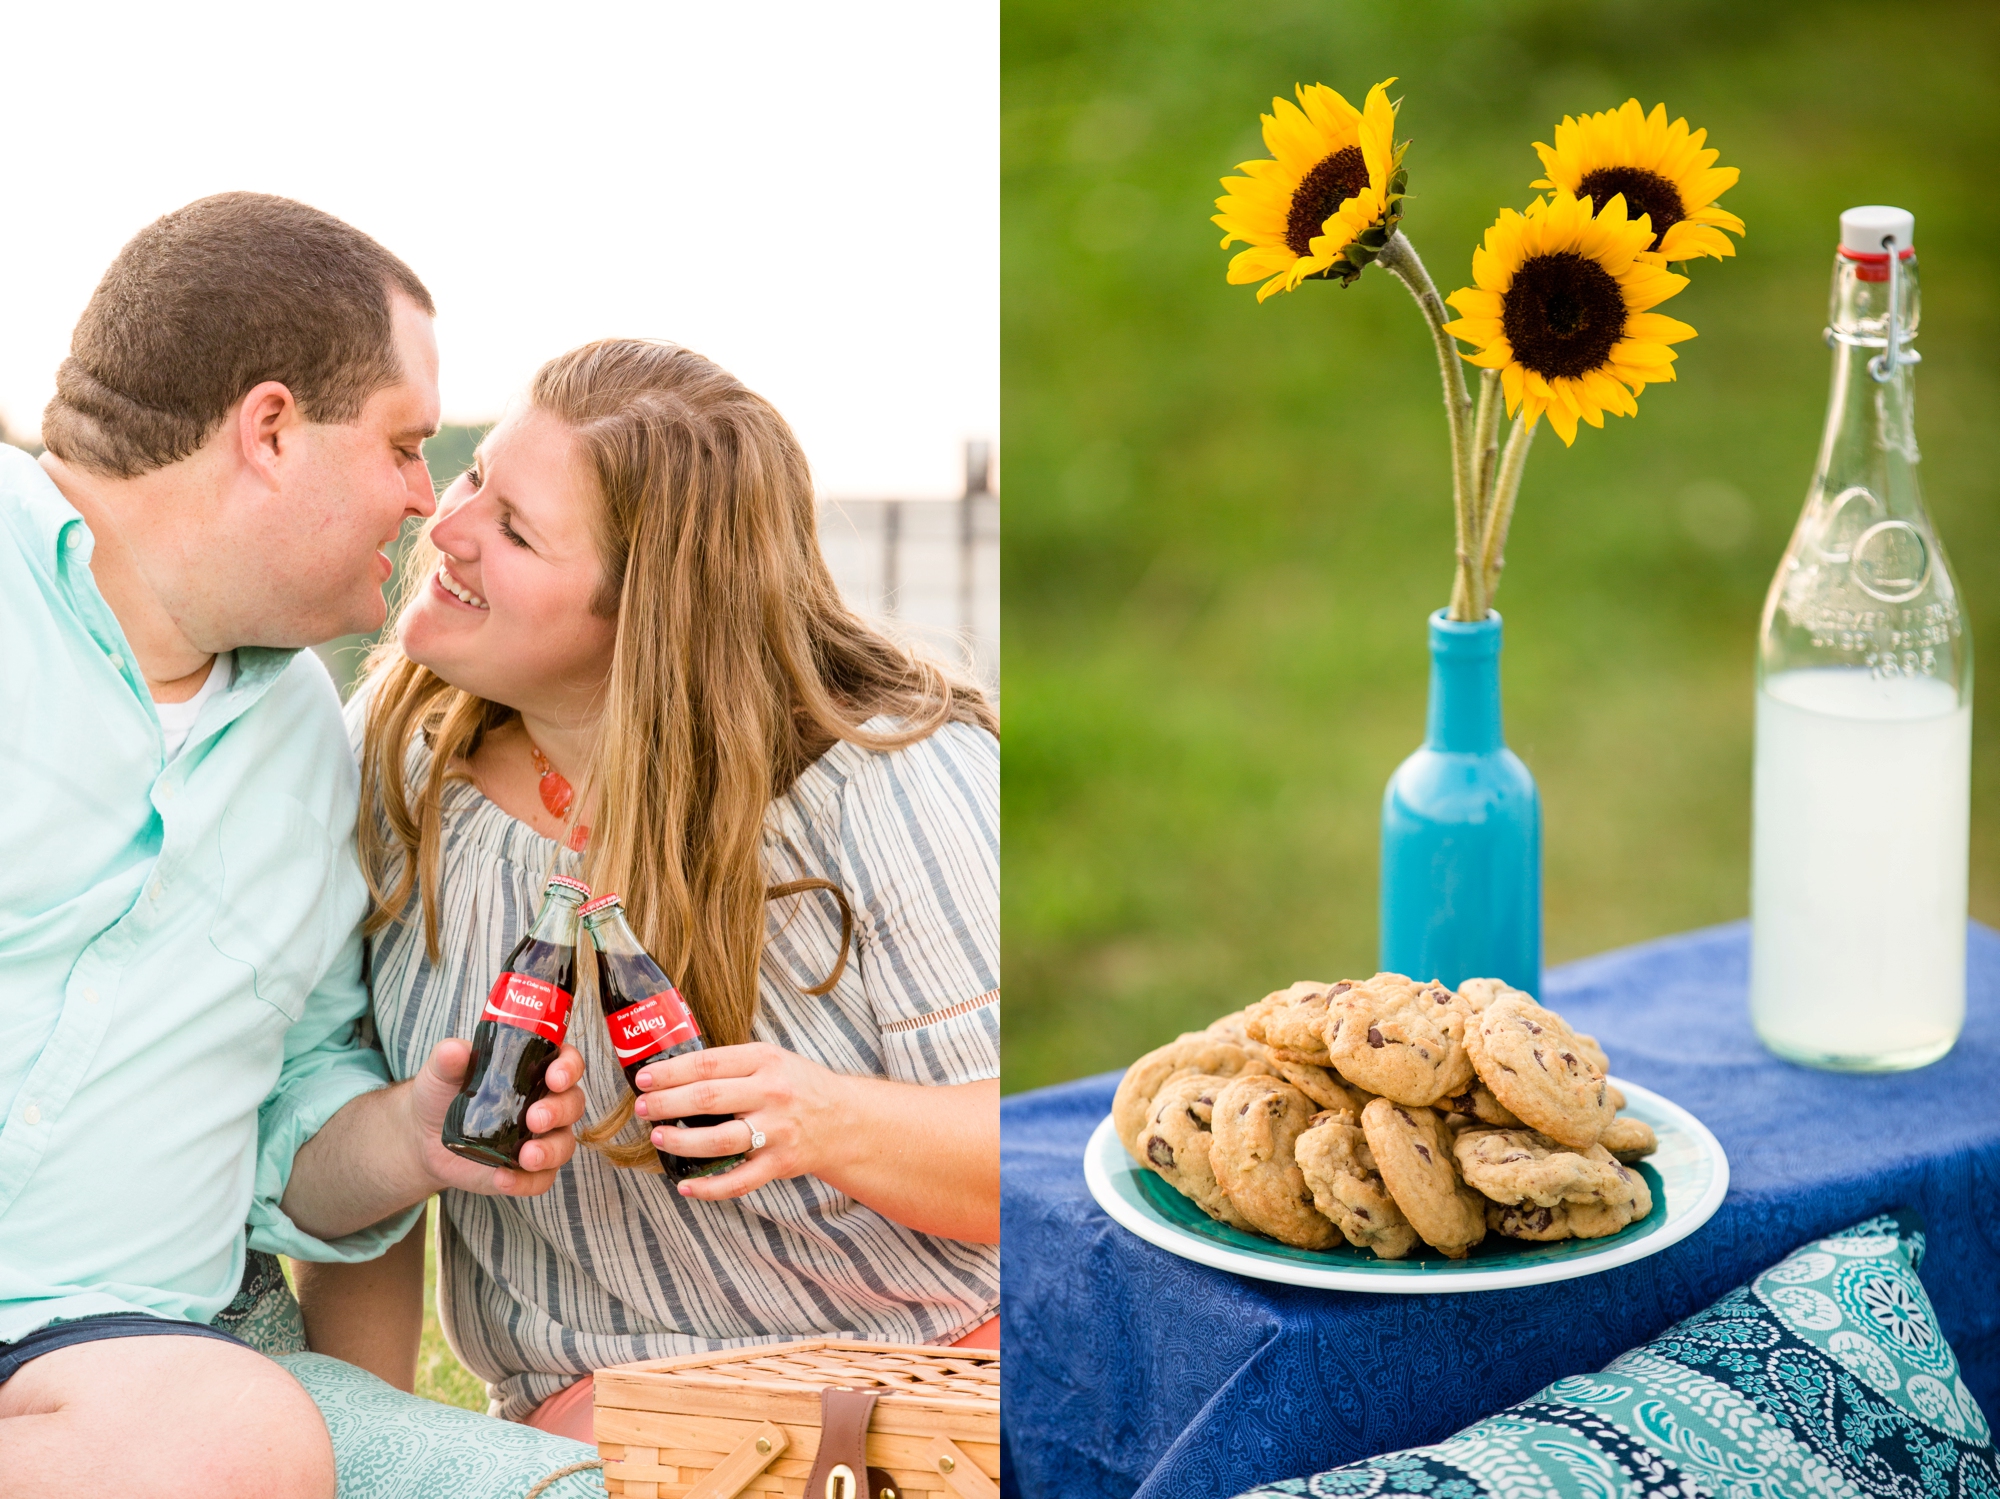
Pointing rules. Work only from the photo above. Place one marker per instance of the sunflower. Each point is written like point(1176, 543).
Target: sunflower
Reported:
point(1328, 202)
point(1560, 309)
point(1661, 170)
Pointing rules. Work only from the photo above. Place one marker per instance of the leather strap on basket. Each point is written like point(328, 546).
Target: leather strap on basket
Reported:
point(841, 1469)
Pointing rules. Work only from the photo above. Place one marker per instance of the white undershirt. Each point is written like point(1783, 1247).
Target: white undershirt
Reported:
point(177, 719)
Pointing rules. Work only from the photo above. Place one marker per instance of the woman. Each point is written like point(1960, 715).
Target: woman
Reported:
point(622, 658)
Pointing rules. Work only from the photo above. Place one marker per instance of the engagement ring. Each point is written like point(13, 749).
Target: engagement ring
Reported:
point(756, 1138)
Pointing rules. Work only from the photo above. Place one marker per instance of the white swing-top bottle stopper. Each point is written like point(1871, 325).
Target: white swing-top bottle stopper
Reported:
point(1862, 230)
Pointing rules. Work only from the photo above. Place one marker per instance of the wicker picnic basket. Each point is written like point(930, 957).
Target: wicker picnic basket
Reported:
point(716, 1425)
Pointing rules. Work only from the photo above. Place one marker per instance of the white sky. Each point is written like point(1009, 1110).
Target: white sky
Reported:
point(807, 193)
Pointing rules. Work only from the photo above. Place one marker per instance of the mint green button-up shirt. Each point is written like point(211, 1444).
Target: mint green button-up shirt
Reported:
point(180, 970)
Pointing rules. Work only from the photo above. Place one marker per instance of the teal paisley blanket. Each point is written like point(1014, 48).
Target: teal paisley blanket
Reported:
point(389, 1445)
point(1824, 1378)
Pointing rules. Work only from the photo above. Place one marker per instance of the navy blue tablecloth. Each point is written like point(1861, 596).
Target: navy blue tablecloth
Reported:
point(1132, 1372)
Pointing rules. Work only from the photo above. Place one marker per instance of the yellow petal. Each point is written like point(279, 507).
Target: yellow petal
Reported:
point(1647, 286)
point(1703, 188)
point(1722, 218)
point(1657, 327)
point(1377, 131)
point(1256, 263)
point(1329, 110)
point(1639, 354)
point(1475, 302)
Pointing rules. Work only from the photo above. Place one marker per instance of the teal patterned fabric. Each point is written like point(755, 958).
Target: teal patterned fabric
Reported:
point(264, 1314)
point(388, 1445)
point(1825, 1376)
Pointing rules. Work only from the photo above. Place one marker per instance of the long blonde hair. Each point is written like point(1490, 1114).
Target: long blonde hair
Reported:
point(735, 665)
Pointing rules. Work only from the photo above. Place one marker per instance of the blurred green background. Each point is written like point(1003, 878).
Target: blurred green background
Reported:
point(1226, 523)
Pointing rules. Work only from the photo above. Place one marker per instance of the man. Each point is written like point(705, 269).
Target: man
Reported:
point(237, 433)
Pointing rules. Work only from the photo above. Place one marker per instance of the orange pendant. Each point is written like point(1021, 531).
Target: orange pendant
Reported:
point(556, 792)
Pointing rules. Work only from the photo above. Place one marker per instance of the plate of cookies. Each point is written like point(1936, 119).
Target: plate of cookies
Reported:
point(1387, 1135)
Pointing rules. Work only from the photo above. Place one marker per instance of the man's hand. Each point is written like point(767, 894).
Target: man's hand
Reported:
point(552, 1119)
point(381, 1152)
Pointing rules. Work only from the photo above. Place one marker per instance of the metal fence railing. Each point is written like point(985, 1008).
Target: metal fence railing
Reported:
point(929, 569)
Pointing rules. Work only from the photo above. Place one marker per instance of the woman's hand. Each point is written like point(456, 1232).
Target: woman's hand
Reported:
point(925, 1157)
point(794, 1102)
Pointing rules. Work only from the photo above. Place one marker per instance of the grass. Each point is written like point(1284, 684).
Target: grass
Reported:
point(1227, 522)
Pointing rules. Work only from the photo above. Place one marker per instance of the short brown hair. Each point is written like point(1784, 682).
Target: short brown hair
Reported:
point(211, 300)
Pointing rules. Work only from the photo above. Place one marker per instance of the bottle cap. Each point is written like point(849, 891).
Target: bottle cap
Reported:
point(1863, 229)
point(602, 903)
point(569, 884)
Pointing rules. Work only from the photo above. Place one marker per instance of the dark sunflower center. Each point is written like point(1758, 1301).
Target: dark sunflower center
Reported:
point(1645, 192)
point(1562, 315)
point(1325, 188)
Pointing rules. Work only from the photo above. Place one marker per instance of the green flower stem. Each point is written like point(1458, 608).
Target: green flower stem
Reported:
point(1399, 258)
point(1506, 485)
point(1485, 448)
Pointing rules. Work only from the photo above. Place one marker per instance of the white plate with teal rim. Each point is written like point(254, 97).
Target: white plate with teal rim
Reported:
point(1688, 1175)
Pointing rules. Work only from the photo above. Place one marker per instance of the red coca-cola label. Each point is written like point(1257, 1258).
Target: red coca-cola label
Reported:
point(529, 1004)
point(651, 1026)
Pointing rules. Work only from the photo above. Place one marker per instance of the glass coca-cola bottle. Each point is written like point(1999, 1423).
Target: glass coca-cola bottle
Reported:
point(519, 1034)
point(647, 1019)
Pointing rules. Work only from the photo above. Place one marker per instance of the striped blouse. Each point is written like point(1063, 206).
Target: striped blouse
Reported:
point(611, 1265)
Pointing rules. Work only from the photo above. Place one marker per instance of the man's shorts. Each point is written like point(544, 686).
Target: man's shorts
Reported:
point(14, 1356)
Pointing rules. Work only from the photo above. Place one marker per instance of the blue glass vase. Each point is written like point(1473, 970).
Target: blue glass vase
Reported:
point(1462, 831)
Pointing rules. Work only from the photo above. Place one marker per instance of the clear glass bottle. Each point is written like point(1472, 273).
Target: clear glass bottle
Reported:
point(1864, 715)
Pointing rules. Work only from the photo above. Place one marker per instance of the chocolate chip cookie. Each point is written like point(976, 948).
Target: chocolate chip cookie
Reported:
point(1412, 1150)
point(1591, 1049)
point(1477, 994)
point(1324, 1088)
point(1629, 1139)
point(1291, 1019)
point(1177, 1139)
point(1257, 1122)
point(1229, 1027)
point(1518, 1165)
point(1197, 1051)
point(1333, 1157)
point(1574, 1220)
point(1475, 1106)
point(1402, 1040)
point(1533, 1064)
